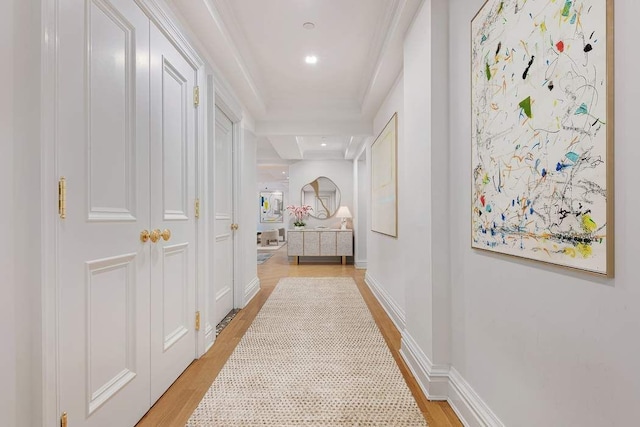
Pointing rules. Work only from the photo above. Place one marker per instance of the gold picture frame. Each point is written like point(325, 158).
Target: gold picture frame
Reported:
point(384, 180)
point(542, 132)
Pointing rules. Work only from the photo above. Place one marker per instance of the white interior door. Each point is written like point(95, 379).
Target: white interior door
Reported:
point(173, 173)
point(103, 267)
point(223, 194)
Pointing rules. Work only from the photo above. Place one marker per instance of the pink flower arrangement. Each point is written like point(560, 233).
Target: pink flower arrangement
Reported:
point(300, 213)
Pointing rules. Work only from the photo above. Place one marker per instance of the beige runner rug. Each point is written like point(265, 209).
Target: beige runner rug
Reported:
point(312, 357)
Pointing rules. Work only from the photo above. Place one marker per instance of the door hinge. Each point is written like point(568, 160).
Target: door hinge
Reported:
point(197, 320)
point(63, 420)
point(197, 208)
point(196, 95)
point(62, 198)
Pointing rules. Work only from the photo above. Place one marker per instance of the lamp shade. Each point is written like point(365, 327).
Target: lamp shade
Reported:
point(343, 212)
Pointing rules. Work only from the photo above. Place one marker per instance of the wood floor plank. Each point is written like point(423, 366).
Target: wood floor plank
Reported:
point(182, 398)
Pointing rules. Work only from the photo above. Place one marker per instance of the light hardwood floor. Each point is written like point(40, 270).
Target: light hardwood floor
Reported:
point(182, 398)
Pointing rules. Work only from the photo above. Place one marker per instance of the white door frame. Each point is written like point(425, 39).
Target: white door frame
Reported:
point(227, 103)
point(218, 96)
point(50, 286)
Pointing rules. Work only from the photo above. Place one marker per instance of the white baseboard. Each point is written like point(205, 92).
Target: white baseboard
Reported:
point(433, 379)
point(209, 337)
point(438, 382)
point(360, 265)
point(441, 382)
point(390, 306)
point(466, 403)
point(251, 290)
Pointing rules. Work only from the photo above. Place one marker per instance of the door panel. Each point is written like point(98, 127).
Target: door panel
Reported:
point(223, 192)
point(111, 344)
point(175, 291)
point(175, 88)
point(111, 124)
point(103, 267)
point(173, 261)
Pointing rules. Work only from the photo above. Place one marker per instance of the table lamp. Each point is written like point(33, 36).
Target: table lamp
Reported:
point(343, 213)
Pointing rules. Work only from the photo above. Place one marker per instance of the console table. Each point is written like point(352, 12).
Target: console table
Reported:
point(320, 242)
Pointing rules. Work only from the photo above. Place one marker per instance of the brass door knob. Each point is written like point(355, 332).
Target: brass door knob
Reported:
point(166, 234)
point(234, 226)
point(144, 236)
point(155, 235)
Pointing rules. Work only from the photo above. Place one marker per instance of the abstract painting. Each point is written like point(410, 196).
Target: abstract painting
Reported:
point(542, 131)
point(384, 180)
point(271, 206)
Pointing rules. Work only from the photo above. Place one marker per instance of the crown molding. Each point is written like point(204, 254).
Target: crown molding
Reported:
point(362, 127)
point(223, 19)
point(166, 23)
point(387, 23)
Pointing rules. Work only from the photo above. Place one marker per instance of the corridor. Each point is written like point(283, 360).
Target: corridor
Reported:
point(177, 404)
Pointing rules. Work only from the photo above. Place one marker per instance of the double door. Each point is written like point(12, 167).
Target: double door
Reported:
point(126, 250)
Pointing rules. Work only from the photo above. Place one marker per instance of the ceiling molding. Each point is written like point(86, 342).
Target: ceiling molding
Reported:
point(212, 71)
point(158, 12)
point(275, 162)
point(287, 105)
point(385, 46)
point(218, 19)
point(226, 100)
point(362, 152)
point(355, 147)
point(315, 127)
point(379, 43)
point(323, 155)
point(286, 146)
point(241, 47)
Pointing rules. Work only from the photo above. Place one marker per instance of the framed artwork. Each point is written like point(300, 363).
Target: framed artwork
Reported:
point(271, 206)
point(384, 180)
point(542, 131)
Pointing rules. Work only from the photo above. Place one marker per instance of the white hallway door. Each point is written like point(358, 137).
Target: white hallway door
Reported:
point(223, 227)
point(173, 194)
point(126, 148)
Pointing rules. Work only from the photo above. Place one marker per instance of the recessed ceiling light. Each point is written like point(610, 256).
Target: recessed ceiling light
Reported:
point(311, 59)
point(283, 172)
point(308, 25)
point(324, 144)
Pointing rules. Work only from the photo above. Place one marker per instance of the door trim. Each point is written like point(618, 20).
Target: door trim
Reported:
point(219, 96)
point(49, 177)
point(166, 24)
point(49, 284)
point(225, 101)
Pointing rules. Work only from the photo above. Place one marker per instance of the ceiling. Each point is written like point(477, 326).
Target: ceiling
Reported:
point(259, 46)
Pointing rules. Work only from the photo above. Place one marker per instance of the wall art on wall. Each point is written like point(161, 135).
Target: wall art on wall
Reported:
point(271, 206)
point(542, 131)
point(384, 180)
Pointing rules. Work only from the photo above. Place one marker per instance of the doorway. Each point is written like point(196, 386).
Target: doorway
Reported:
point(125, 237)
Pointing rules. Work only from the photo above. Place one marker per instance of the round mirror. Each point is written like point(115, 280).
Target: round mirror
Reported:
point(323, 195)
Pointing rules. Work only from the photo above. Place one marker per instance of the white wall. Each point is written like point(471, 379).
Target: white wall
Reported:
point(385, 254)
point(361, 225)
point(20, 359)
point(7, 284)
point(28, 230)
point(305, 171)
point(534, 344)
point(425, 195)
point(542, 345)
